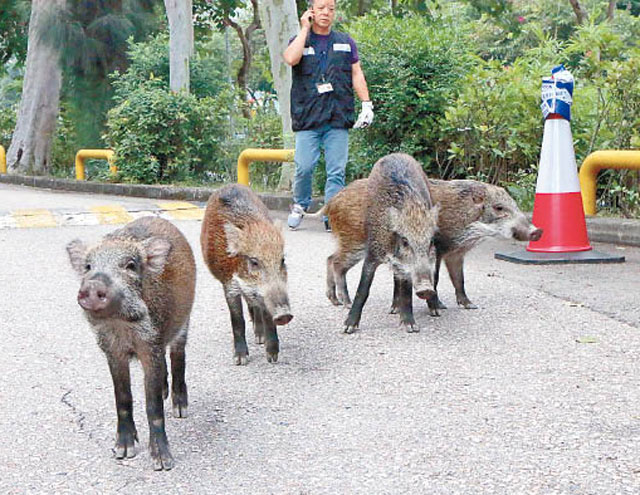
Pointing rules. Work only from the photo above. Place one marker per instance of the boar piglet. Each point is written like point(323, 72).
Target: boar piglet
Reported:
point(244, 250)
point(136, 291)
point(400, 223)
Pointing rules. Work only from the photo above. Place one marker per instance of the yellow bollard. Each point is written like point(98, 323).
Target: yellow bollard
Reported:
point(259, 155)
point(596, 161)
point(81, 155)
point(3, 161)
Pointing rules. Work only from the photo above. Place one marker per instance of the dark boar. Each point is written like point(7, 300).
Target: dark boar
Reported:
point(244, 250)
point(400, 224)
point(137, 291)
point(470, 212)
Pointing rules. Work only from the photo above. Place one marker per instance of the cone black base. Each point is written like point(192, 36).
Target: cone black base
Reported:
point(530, 258)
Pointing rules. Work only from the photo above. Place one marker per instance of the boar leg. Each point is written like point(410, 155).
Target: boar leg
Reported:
point(341, 266)
point(405, 303)
point(396, 295)
point(435, 303)
point(331, 281)
point(234, 301)
point(258, 323)
point(126, 435)
point(455, 264)
point(152, 363)
point(366, 279)
point(179, 396)
point(272, 345)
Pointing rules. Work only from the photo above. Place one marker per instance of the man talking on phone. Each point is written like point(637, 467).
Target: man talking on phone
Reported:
point(326, 70)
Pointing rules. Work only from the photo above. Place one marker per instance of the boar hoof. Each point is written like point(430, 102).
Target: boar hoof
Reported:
point(161, 457)
point(259, 338)
point(180, 410)
point(241, 359)
point(334, 300)
point(350, 328)
point(393, 310)
point(466, 304)
point(434, 312)
point(411, 327)
point(126, 446)
point(272, 357)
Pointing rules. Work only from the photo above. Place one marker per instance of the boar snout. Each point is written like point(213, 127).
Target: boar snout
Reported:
point(527, 233)
point(94, 295)
point(535, 234)
point(283, 318)
point(426, 293)
point(277, 303)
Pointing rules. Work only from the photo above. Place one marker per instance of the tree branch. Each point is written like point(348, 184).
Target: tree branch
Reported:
point(579, 10)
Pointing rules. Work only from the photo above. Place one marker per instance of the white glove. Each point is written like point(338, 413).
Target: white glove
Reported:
point(366, 115)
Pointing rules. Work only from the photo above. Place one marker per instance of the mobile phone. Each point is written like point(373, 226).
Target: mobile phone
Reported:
point(310, 7)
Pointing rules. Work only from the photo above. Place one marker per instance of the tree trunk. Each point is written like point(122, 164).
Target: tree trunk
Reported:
point(579, 10)
point(180, 15)
point(247, 55)
point(280, 22)
point(611, 9)
point(30, 149)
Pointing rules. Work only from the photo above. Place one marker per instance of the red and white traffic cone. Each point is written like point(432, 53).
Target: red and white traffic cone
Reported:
point(557, 209)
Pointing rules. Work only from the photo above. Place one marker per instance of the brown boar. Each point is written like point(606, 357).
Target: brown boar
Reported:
point(470, 212)
point(400, 223)
point(137, 292)
point(244, 250)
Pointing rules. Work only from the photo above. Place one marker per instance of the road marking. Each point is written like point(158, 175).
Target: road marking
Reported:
point(181, 210)
point(111, 214)
point(36, 218)
point(105, 214)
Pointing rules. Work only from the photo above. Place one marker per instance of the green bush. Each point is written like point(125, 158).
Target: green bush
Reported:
point(414, 68)
point(160, 136)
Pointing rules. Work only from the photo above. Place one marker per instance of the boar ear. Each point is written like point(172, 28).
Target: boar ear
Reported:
point(233, 238)
point(478, 195)
point(77, 252)
point(157, 251)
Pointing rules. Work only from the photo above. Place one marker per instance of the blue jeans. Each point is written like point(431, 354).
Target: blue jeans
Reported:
point(336, 151)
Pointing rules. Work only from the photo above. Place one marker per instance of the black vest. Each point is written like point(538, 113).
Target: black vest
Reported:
point(310, 109)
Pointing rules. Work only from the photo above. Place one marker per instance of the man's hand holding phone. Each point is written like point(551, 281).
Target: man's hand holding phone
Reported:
point(307, 19)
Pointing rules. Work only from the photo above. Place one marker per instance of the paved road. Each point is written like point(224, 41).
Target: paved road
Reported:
point(535, 392)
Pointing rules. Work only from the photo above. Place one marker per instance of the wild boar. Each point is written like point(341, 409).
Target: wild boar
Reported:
point(244, 250)
point(400, 223)
point(137, 291)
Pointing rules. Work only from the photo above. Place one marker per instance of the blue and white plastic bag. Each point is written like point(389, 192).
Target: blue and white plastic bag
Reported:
point(557, 93)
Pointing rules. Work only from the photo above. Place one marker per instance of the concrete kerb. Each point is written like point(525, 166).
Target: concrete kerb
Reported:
point(601, 229)
point(197, 194)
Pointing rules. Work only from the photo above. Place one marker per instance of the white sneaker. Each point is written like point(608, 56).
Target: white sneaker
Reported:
point(295, 217)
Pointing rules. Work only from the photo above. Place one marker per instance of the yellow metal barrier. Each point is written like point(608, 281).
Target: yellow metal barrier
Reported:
point(259, 155)
point(3, 161)
point(596, 161)
point(81, 155)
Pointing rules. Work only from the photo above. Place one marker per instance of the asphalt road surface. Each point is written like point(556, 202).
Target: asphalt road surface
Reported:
point(537, 391)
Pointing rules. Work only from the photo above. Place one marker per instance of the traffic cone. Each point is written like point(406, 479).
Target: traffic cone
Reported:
point(558, 209)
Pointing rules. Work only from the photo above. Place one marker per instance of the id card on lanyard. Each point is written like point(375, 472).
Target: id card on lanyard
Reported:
point(324, 86)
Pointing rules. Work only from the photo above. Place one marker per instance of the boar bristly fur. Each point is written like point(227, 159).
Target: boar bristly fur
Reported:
point(244, 250)
point(400, 224)
point(137, 291)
